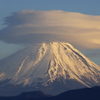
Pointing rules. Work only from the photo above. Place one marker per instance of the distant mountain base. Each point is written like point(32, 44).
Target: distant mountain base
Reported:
point(79, 94)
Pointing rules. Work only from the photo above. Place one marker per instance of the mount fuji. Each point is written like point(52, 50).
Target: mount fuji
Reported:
point(52, 67)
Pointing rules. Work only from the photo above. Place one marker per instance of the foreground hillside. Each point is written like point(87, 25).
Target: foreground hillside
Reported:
point(79, 94)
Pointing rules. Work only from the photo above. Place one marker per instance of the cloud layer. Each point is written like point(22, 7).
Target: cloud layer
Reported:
point(31, 26)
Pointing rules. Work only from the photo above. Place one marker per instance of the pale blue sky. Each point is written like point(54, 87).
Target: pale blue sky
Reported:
point(7, 7)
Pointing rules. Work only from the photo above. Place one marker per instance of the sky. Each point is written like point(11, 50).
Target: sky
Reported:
point(31, 21)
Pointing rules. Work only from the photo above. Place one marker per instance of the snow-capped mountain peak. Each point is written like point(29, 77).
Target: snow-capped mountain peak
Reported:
point(50, 63)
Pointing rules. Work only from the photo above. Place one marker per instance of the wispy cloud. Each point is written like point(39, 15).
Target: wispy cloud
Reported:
point(37, 26)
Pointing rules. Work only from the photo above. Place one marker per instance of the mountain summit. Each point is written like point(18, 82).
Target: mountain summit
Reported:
point(51, 67)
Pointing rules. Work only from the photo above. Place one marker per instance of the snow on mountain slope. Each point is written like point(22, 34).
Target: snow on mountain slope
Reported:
point(48, 63)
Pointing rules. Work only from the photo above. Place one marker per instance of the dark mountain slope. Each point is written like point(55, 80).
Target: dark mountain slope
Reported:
point(79, 94)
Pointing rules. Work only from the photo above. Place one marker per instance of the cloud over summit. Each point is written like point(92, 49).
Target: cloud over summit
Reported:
point(30, 26)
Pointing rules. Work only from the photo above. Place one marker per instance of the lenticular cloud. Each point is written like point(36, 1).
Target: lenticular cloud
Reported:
point(37, 26)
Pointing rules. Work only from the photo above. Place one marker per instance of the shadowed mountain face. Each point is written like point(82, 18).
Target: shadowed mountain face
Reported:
point(27, 96)
point(52, 67)
point(79, 94)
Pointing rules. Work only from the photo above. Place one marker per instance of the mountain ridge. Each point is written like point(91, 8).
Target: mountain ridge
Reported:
point(78, 94)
